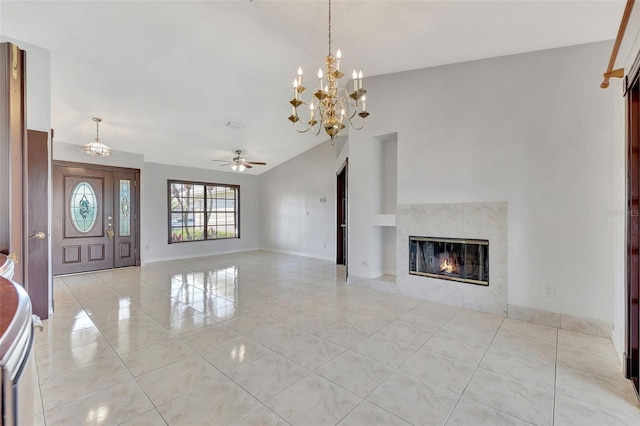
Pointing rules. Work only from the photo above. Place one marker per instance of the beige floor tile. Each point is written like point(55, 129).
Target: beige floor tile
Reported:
point(469, 412)
point(38, 419)
point(414, 400)
point(530, 329)
point(522, 400)
point(606, 365)
point(310, 351)
point(522, 365)
point(585, 342)
point(440, 370)
point(150, 418)
point(368, 320)
point(112, 405)
point(313, 401)
point(412, 333)
point(54, 362)
point(385, 350)
point(409, 358)
point(173, 380)
point(261, 416)
point(236, 354)
point(275, 336)
point(147, 359)
point(343, 334)
point(215, 402)
point(60, 389)
point(249, 321)
point(356, 373)
point(570, 412)
point(202, 341)
point(602, 392)
point(369, 414)
point(267, 376)
point(456, 347)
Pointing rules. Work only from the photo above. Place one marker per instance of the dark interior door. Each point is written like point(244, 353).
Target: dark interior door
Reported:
point(36, 197)
point(341, 203)
point(632, 355)
point(83, 217)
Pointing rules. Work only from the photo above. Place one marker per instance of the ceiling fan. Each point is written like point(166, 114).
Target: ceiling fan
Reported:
point(239, 163)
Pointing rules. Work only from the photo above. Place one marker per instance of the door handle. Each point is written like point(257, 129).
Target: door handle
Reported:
point(110, 233)
point(38, 236)
point(343, 225)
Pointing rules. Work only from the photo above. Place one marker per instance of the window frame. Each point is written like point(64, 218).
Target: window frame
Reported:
point(205, 212)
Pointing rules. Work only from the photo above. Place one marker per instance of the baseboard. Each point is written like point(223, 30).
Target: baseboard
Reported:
point(298, 253)
point(619, 345)
point(192, 256)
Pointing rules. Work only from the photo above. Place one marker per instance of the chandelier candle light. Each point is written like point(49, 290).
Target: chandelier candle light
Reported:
point(332, 104)
point(96, 148)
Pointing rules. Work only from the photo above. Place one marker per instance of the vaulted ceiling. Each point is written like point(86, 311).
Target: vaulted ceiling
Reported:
point(166, 76)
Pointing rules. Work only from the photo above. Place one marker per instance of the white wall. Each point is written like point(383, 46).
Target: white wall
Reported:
point(534, 130)
point(154, 232)
point(292, 217)
point(153, 199)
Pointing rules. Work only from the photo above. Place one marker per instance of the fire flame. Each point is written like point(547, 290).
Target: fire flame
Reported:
point(447, 267)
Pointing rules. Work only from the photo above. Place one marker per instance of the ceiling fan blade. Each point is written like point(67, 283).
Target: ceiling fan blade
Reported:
point(256, 163)
point(222, 161)
point(248, 166)
point(227, 164)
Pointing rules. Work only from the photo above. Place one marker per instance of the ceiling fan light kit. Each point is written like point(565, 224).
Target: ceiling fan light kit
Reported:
point(239, 163)
point(332, 104)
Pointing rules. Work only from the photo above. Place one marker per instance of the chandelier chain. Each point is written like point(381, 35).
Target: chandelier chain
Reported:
point(329, 27)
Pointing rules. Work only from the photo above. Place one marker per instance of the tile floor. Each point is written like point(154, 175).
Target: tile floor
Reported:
point(269, 339)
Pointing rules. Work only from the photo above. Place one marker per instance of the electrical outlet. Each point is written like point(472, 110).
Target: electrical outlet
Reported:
point(365, 262)
point(547, 291)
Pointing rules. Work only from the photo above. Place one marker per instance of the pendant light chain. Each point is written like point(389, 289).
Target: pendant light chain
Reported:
point(329, 27)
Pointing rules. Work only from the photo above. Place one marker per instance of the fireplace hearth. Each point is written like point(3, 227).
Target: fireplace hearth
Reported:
point(464, 260)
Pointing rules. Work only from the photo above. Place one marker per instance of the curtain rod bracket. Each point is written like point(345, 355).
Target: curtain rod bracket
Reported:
point(619, 73)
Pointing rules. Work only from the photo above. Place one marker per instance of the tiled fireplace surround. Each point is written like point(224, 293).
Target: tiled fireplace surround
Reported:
point(486, 220)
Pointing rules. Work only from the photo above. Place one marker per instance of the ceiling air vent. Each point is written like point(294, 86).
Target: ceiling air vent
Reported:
point(234, 125)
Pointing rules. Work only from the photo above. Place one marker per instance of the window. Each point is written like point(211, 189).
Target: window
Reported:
point(82, 205)
point(203, 211)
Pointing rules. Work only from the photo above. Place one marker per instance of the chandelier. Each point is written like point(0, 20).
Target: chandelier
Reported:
point(330, 105)
point(96, 148)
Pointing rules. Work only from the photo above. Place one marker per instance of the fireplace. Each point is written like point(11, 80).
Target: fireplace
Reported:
point(465, 260)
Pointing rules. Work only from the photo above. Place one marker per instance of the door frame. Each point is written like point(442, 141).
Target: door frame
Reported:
point(135, 209)
point(632, 261)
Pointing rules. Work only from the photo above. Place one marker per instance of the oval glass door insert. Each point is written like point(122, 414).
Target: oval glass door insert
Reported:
point(82, 207)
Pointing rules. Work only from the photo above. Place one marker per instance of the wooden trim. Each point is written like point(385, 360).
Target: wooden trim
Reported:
point(619, 73)
point(72, 164)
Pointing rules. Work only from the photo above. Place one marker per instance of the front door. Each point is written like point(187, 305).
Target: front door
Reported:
point(94, 216)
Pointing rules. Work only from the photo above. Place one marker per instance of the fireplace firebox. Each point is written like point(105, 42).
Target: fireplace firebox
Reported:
point(465, 260)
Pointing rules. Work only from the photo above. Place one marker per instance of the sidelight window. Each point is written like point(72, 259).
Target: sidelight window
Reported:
point(201, 211)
